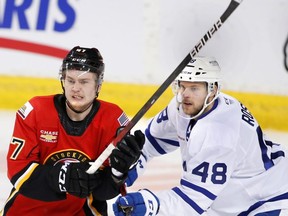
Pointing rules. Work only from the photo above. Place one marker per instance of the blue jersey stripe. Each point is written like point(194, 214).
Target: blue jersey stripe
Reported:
point(268, 163)
point(171, 142)
point(198, 189)
point(153, 141)
point(260, 203)
point(277, 154)
point(270, 213)
point(188, 200)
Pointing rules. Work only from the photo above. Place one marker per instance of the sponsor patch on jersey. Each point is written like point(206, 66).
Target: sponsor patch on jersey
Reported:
point(48, 136)
point(123, 119)
point(25, 110)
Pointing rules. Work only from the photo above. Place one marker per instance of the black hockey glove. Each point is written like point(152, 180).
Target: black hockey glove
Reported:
point(127, 152)
point(73, 179)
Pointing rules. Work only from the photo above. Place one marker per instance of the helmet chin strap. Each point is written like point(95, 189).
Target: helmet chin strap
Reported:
point(78, 111)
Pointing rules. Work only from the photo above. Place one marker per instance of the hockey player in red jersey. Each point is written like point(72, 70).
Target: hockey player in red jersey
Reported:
point(54, 139)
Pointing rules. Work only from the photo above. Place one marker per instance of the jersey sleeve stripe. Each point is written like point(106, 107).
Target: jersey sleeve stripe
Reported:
point(201, 190)
point(153, 141)
point(91, 207)
point(189, 201)
point(261, 203)
point(171, 142)
point(25, 176)
point(9, 202)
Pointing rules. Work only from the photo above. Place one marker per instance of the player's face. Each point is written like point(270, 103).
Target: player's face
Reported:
point(80, 88)
point(193, 96)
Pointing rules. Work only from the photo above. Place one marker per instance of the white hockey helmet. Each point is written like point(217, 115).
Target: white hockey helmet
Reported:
point(200, 69)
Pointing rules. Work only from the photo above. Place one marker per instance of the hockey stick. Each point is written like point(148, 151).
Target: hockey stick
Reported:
point(106, 153)
point(285, 48)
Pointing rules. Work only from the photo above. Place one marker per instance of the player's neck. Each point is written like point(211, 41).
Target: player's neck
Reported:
point(209, 107)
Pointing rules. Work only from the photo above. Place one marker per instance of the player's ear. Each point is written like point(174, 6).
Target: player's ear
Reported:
point(215, 89)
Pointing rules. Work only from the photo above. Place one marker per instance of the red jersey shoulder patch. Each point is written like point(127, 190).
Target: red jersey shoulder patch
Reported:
point(25, 110)
point(123, 119)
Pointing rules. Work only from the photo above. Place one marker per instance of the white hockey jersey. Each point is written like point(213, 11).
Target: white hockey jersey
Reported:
point(229, 166)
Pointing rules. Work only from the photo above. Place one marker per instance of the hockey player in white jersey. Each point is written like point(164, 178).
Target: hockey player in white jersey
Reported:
point(229, 167)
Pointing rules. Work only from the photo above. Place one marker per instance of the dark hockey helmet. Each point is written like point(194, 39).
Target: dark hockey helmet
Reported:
point(84, 59)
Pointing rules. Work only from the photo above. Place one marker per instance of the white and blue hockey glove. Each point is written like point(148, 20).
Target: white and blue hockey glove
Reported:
point(141, 203)
point(136, 171)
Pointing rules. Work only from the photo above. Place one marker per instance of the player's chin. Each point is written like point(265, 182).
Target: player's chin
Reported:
point(189, 110)
point(77, 104)
point(187, 107)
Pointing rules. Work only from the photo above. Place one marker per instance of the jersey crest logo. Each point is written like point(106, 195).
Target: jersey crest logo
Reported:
point(66, 155)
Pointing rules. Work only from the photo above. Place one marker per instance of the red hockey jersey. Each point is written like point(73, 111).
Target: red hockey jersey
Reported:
point(44, 136)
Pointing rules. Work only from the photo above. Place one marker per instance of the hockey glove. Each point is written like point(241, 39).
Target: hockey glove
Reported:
point(136, 171)
point(141, 203)
point(73, 179)
point(127, 152)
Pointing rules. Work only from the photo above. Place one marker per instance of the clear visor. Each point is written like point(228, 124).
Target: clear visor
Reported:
point(78, 66)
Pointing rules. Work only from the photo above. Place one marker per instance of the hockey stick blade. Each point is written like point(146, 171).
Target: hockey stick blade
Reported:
point(106, 153)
